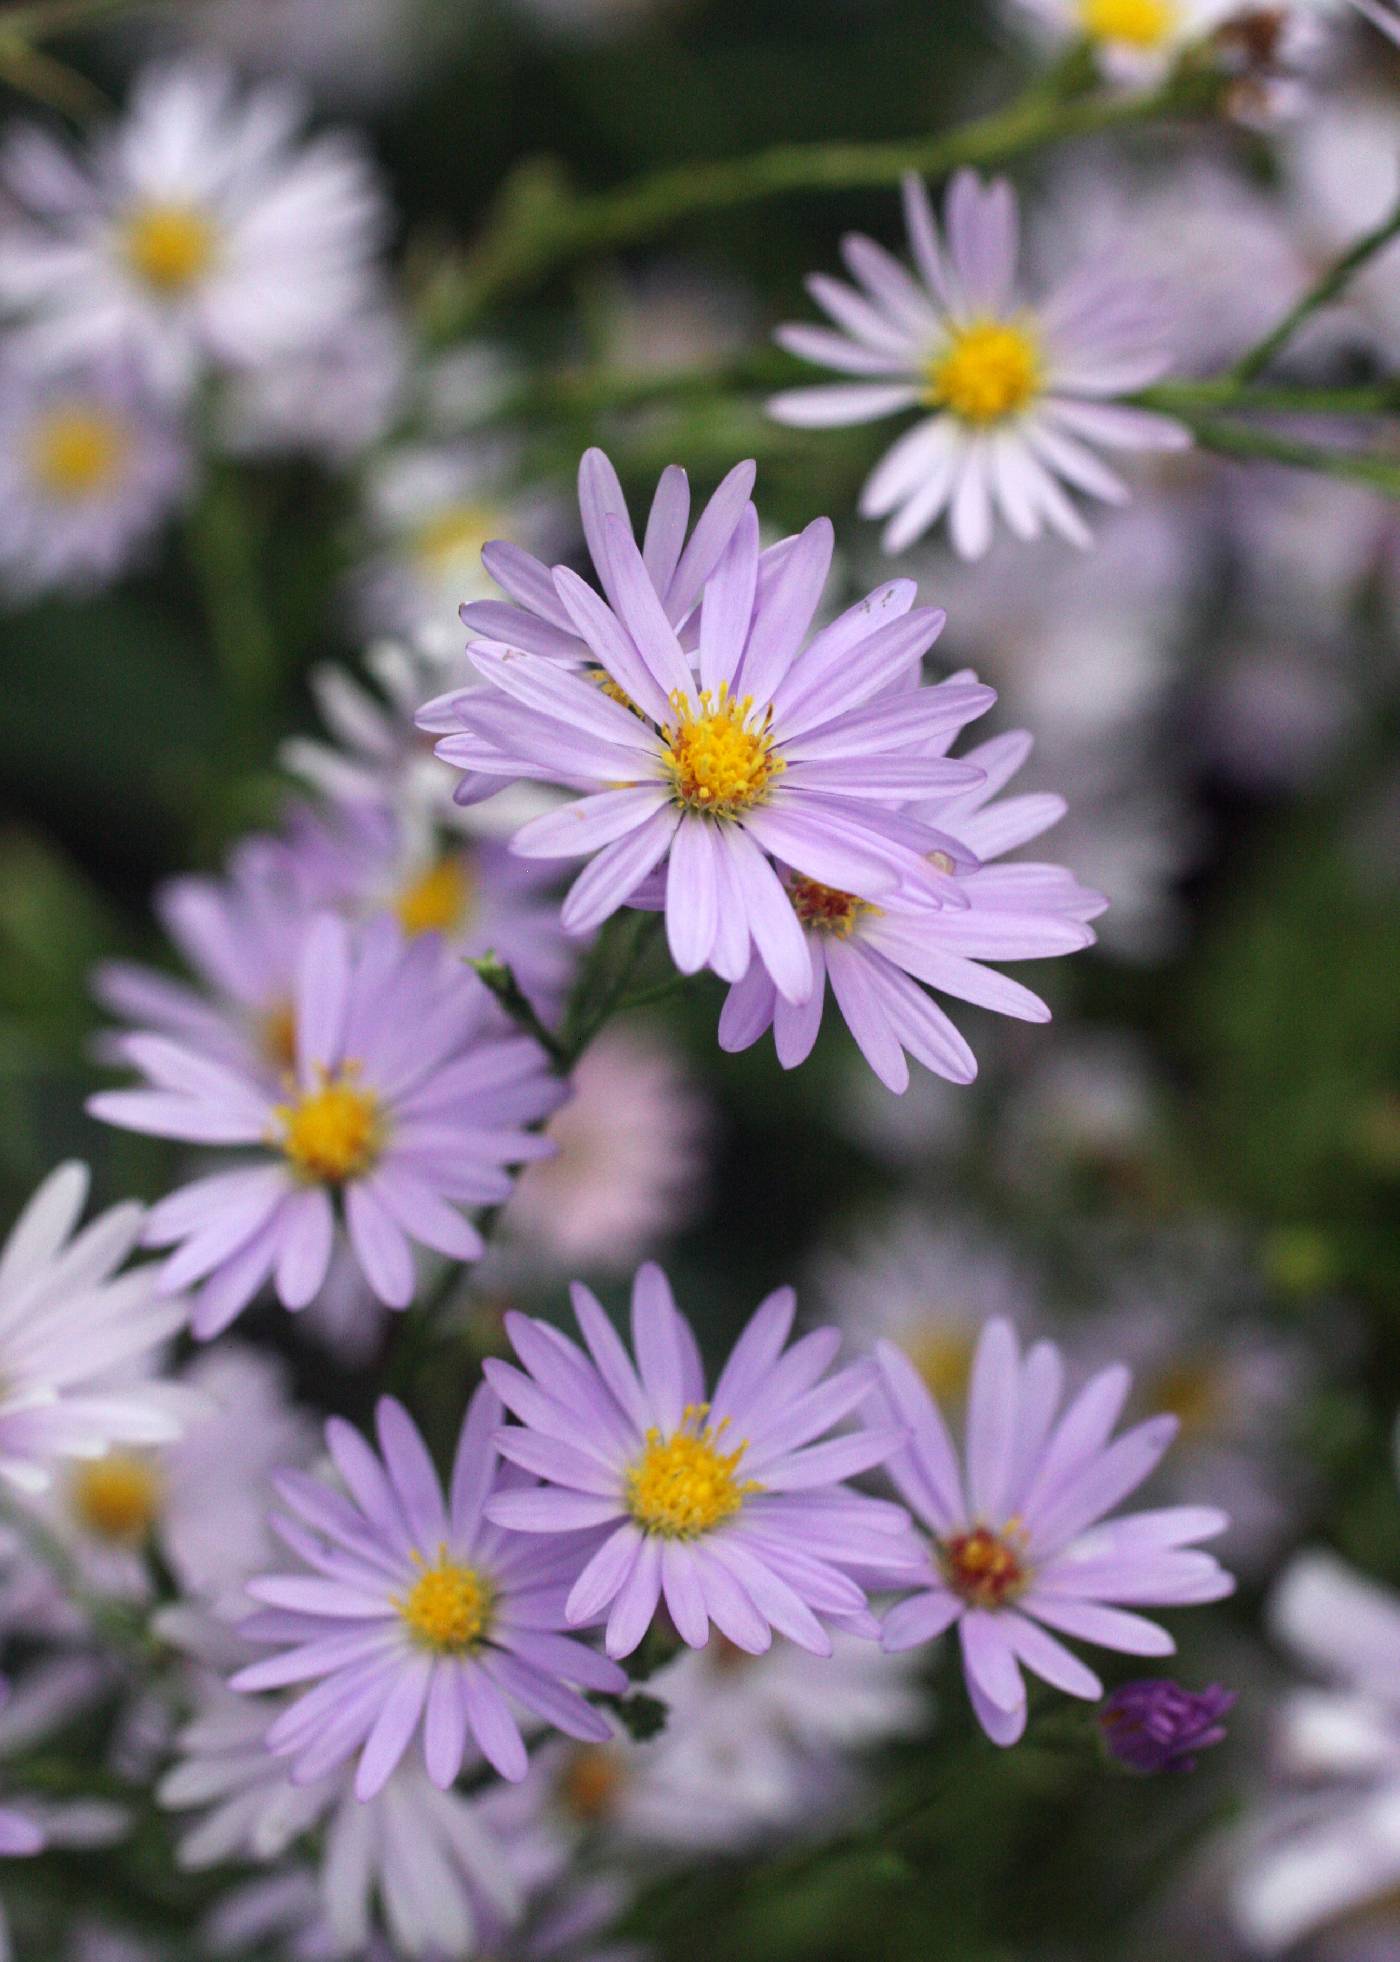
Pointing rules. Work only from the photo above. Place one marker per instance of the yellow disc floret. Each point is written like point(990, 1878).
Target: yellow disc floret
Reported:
point(77, 451)
point(446, 1608)
point(684, 1484)
point(1136, 23)
point(943, 1357)
point(456, 532)
point(169, 247)
point(989, 370)
point(117, 1498)
point(334, 1132)
point(720, 757)
point(438, 900)
point(987, 1569)
point(825, 909)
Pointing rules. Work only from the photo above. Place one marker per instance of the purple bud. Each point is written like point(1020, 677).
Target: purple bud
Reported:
point(1156, 1725)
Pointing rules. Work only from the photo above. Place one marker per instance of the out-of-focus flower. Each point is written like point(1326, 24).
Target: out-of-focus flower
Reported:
point(875, 955)
point(1156, 1725)
point(88, 472)
point(1341, 177)
point(417, 1615)
point(1022, 1544)
point(1381, 14)
point(52, 1692)
point(359, 53)
point(1020, 394)
point(729, 1506)
point(402, 1106)
point(1330, 1849)
point(629, 1164)
point(204, 231)
point(1134, 41)
point(332, 399)
point(20, 1836)
point(71, 1327)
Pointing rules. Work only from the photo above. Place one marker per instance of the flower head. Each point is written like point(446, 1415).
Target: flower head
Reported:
point(1156, 1725)
point(1020, 1545)
point(1134, 42)
point(1017, 390)
point(417, 1612)
point(401, 1105)
point(726, 1504)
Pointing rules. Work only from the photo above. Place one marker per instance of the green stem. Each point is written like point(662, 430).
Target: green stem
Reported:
point(500, 979)
point(1324, 290)
point(1380, 473)
point(122, 1627)
point(605, 978)
point(1229, 392)
point(540, 224)
point(223, 552)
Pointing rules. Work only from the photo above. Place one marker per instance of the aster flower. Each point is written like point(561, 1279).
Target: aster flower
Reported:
point(402, 1105)
point(1019, 392)
point(1021, 1545)
point(875, 955)
point(203, 231)
point(729, 1506)
point(70, 1326)
point(418, 1613)
point(1156, 1725)
point(772, 751)
point(88, 471)
point(1135, 42)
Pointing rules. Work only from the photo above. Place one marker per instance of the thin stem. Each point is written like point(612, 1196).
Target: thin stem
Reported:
point(1324, 290)
point(1380, 473)
point(500, 979)
point(123, 1627)
point(606, 977)
point(1230, 392)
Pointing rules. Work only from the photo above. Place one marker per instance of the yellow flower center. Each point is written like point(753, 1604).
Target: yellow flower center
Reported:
point(332, 1133)
point(456, 532)
point(278, 1034)
point(684, 1485)
point(718, 762)
point(826, 910)
point(943, 1357)
point(117, 1498)
point(438, 900)
point(169, 247)
point(614, 691)
point(987, 1569)
point(1138, 23)
point(447, 1606)
point(589, 1783)
point(987, 372)
point(77, 452)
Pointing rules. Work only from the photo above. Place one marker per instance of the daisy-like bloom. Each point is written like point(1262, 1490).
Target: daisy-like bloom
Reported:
point(1021, 1543)
point(730, 1506)
point(334, 399)
point(1020, 393)
point(71, 1329)
point(1135, 42)
point(875, 955)
point(88, 472)
point(773, 750)
point(419, 1613)
point(402, 1105)
point(1156, 1725)
point(203, 231)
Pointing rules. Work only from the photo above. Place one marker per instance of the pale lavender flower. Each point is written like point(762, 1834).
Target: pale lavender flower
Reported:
point(1021, 1544)
point(875, 955)
point(1135, 42)
point(774, 751)
point(1021, 393)
point(419, 1613)
point(333, 399)
point(403, 1105)
point(729, 1506)
point(1156, 1725)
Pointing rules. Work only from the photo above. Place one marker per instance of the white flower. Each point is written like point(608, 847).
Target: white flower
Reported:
point(1135, 42)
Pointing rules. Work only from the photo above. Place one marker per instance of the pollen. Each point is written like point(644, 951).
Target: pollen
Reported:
point(117, 1498)
point(685, 1484)
point(614, 690)
point(826, 910)
point(987, 1569)
point(943, 1357)
point(169, 247)
point(1137, 23)
point(332, 1133)
point(447, 1606)
point(456, 532)
point(720, 759)
point(988, 371)
point(77, 452)
point(438, 900)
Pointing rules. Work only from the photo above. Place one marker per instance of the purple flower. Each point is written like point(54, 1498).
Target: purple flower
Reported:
point(418, 1612)
point(1156, 1725)
point(771, 750)
point(729, 1506)
point(1017, 393)
point(1021, 1544)
point(402, 1106)
point(875, 956)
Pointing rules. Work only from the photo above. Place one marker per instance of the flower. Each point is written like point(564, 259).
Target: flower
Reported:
point(875, 955)
point(1018, 392)
point(1135, 42)
point(402, 1105)
point(1381, 14)
point(770, 751)
point(334, 398)
point(418, 1613)
point(1022, 1545)
point(203, 232)
point(71, 1330)
point(88, 471)
point(730, 1507)
point(1156, 1725)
